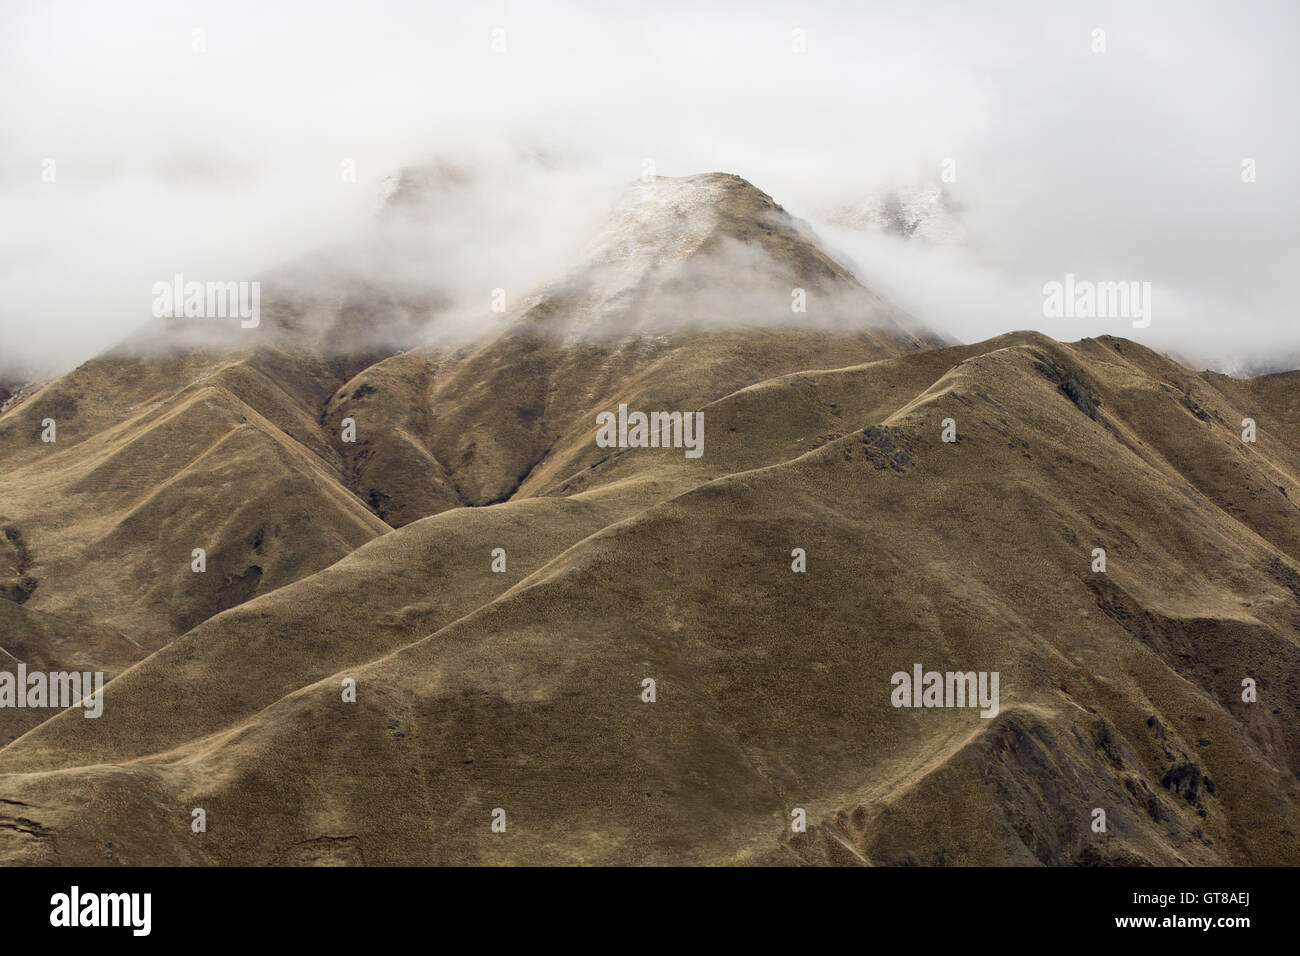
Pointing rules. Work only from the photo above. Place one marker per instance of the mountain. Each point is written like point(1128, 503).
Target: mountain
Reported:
point(500, 586)
point(228, 439)
point(683, 298)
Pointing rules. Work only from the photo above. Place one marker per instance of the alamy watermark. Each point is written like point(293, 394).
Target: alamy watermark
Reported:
point(208, 300)
point(923, 688)
point(74, 908)
point(1084, 299)
point(56, 689)
point(651, 430)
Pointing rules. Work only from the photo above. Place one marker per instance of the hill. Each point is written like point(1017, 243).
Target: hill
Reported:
point(498, 586)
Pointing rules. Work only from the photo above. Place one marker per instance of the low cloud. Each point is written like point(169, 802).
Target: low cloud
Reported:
point(223, 153)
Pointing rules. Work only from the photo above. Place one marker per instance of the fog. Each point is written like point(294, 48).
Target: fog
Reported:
point(224, 140)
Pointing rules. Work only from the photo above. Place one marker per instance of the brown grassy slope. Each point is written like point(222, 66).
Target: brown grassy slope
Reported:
point(156, 457)
point(47, 643)
point(522, 691)
point(519, 413)
point(640, 318)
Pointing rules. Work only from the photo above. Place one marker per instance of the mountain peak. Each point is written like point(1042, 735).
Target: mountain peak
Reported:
point(675, 217)
point(682, 252)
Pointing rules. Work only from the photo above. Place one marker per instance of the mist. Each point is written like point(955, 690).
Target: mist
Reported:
point(226, 140)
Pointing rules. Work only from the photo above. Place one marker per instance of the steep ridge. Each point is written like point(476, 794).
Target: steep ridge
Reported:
point(1120, 690)
point(154, 459)
point(202, 432)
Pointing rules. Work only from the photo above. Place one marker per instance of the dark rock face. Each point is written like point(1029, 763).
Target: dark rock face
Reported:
point(887, 447)
point(16, 584)
point(1082, 399)
point(1070, 387)
point(1187, 780)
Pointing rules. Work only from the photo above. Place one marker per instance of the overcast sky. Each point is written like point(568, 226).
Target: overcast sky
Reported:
point(225, 161)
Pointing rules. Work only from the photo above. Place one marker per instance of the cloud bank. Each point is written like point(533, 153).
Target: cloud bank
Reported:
point(222, 140)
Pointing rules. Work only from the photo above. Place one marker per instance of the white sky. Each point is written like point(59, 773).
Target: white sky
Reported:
point(222, 164)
